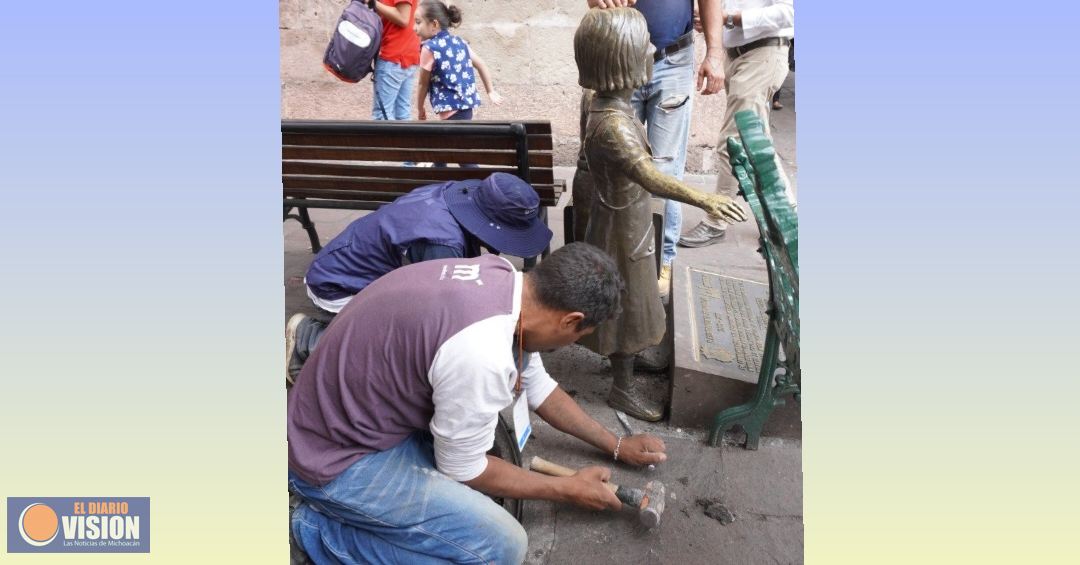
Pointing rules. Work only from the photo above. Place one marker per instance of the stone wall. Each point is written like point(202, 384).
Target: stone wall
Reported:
point(528, 44)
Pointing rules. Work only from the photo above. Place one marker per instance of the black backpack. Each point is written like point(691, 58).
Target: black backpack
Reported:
point(355, 43)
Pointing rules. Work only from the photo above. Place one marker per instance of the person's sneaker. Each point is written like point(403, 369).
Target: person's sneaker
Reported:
point(702, 235)
point(664, 282)
point(293, 362)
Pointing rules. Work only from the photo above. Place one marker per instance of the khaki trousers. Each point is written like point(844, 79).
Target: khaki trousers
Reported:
point(751, 80)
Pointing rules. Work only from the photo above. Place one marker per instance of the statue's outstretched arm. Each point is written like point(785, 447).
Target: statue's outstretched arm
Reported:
point(645, 173)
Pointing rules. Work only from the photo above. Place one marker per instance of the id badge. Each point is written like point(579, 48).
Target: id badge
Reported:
point(522, 427)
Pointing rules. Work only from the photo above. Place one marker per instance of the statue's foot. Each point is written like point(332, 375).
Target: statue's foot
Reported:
point(639, 408)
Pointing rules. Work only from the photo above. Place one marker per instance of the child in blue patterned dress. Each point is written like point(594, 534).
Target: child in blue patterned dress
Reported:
point(448, 67)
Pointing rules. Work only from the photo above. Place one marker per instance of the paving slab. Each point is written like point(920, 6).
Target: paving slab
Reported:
point(762, 488)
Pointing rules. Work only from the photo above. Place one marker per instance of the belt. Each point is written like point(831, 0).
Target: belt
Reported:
point(735, 52)
point(685, 40)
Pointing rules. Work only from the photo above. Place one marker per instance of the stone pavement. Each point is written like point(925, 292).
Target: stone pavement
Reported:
point(761, 489)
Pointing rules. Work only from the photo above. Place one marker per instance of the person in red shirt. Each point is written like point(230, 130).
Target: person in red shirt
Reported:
point(398, 61)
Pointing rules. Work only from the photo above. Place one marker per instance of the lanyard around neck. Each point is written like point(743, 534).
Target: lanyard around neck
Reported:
point(521, 354)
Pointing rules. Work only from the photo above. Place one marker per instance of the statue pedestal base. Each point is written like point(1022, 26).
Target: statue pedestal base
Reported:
point(718, 325)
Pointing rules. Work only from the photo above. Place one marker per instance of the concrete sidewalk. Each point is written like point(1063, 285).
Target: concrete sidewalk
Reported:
point(761, 489)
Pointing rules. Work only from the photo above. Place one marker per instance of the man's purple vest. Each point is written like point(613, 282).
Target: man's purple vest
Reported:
point(376, 244)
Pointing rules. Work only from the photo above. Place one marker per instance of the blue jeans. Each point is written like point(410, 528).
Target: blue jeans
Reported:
point(664, 106)
point(394, 87)
point(394, 507)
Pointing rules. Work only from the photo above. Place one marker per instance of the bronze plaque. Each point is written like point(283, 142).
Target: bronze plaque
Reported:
point(729, 318)
point(717, 325)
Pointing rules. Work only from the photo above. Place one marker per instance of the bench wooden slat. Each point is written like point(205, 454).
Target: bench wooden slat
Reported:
point(428, 175)
point(386, 191)
point(303, 126)
point(481, 157)
point(359, 165)
point(367, 183)
point(539, 142)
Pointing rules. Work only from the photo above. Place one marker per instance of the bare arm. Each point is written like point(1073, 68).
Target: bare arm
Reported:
point(397, 14)
point(482, 71)
point(422, 92)
point(586, 488)
point(565, 415)
point(710, 77)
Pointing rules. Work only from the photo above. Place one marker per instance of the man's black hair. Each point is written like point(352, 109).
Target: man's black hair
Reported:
point(579, 278)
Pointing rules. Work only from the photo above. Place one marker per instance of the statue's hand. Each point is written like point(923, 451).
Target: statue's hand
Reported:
point(724, 207)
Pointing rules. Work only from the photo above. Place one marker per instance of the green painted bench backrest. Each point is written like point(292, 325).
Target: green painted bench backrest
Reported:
point(754, 164)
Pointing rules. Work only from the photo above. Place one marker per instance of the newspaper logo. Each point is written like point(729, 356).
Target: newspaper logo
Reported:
point(78, 525)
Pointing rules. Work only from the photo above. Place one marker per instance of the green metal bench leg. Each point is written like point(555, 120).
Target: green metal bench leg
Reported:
point(753, 415)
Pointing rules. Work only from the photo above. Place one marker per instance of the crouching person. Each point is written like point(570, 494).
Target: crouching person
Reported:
point(454, 219)
point(390, 422)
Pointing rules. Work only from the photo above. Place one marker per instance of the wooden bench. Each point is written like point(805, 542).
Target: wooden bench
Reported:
point(361, 165)
point(753, 163)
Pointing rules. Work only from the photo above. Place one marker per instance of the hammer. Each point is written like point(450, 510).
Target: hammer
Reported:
point(649, 502)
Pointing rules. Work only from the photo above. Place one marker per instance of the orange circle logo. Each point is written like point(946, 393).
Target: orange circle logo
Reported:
point(38, 524)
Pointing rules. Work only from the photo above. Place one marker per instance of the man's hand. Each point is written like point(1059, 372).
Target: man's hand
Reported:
point(421, 114)
point(724, 207)
point(642, 449)
point(610, 3)
point(495, 98)
point(710, 75)
point(588, 489)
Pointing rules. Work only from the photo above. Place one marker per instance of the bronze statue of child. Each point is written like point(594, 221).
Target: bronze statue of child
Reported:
point(614, 57)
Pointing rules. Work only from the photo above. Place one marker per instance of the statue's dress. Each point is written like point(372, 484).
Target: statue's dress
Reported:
point(620, 223)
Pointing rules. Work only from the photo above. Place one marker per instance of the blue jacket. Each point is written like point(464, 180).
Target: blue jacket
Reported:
point(381, 242)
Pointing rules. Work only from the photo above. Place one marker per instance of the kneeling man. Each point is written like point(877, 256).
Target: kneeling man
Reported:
point(391, 419)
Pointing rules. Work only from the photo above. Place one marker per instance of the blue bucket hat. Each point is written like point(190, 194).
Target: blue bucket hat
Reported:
point(503, 211)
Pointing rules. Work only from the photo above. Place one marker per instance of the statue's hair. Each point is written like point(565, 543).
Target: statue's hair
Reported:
point(612, 49)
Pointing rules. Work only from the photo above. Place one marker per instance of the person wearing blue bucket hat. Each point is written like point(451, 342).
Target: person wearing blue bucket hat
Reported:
point(502, 211)
point(455, 219)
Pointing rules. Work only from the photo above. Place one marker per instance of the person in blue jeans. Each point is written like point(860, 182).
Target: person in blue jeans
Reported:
point(391, 420)
point(398, 61)
point(665, 103)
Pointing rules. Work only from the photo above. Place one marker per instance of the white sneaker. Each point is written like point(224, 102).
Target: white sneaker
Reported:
point(702, 235)
point(291, 365)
